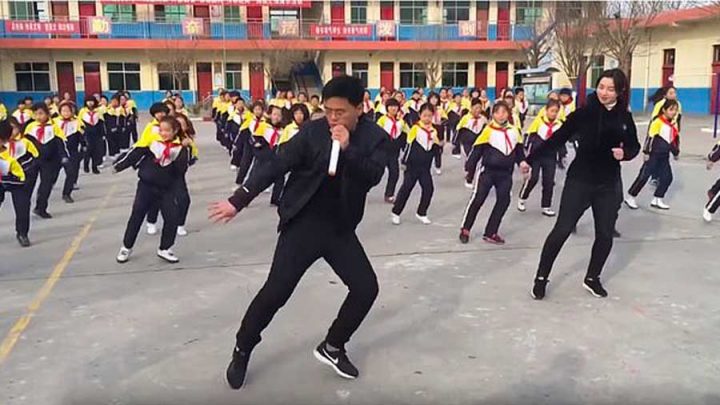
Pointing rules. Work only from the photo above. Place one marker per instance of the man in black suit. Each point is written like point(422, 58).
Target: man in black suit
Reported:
point(318, 217)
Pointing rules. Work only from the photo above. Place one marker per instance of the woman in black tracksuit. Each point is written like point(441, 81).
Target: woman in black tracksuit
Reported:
point(606, 135)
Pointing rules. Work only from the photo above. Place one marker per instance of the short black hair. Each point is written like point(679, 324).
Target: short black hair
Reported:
point(234, 93)
point(258, 103)
point(392, 102)
point(88, 99)
point(475, 101)
point(347, 87)
point(41, 106)
point(428, 107)
point(519, 90)
point(300, 107)
point(566, 91)
point(501, 104)
point(552, 103)
point(315, 96)
point(6, 130)
point(158, 108)
point(273, 107)
point(103, 97)
point(30, 99)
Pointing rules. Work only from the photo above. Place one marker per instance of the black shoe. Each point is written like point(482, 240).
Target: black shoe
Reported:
point(538, 291)
point(616, 234)
point(86, 169)
point(593, 285)
point(464, 236)
point(95, 170)
point(68, 199)
point(238, 368)
point(23, 240)
point(42, 214)
point(338, 360)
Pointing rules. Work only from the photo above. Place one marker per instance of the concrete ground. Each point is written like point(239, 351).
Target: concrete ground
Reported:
point(454, 324)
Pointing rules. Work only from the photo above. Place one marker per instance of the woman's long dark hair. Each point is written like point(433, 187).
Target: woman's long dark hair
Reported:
point(620, 81)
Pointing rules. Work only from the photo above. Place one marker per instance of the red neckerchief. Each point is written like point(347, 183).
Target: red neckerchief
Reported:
point(393, 130)
point(674, 132)
point(64, 124)
point(570, 100)
point(40, 134)
point(256, 125)
point(11, 147)
point(504, 130)
point(550, 126)
point(22, 117)
point(475, 123)
point(429, 134)
point(437, 119)
point(274, 137)
point(92, 116)
point(169, 145)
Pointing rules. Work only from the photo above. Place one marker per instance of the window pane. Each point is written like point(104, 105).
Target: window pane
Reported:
point(461, 79)
point(447, 79)
point(406, 66)
point(232, 14)
point(236, 67)
point(114, 67)
point(24, 81)
point(406, 79)
point(165, 81)
point(132, 67)
point(22, 67)
point(41, 81)
point(132, 81)
point(185, 83)
point(115, 81)
point(45, 67)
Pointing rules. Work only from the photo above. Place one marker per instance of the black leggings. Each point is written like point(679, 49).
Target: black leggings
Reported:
point(182, 198)
point(95, 147)
point(300, 244)
point(502, 181)
point(49, 172)
point(577, 197)
point(146, 196)
point(410, 177)
point(21, 197)
point(72, 168)
point(657, 166)
point(548, 167)
point(393, 168)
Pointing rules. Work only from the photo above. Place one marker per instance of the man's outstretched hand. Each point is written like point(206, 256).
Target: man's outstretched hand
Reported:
point(221, 211)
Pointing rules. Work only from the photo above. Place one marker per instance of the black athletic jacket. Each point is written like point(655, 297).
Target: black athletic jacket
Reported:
point(597, 131)
point(307, 155)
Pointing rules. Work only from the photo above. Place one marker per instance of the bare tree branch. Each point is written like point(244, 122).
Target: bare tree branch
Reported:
point(576, 36)
point(539, 45)
point(433, 67)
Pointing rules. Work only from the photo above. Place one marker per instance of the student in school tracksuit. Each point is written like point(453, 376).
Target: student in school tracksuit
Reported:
point(93, 127)
point(542, 129)
point(70, 126)
point(663, 139)
point(265, 139)
point(162, 161)
point(412, 109)
point(245, 139)
point(469, 128)
point(23, 113)
point(236, 119)
point(714, 192)
point(24, 151)
point(396, 130)
point(422, 140)
point(130, 134)
point(439, 121)
point(455, 113)
point(12, 178)
point(500, 147)
point(114, 119)
point(50, 141)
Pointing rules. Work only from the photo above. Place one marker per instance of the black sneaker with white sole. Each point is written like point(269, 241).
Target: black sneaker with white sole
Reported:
point(238, 368)
point(538, 291)
point(338, 360)
point(595, 288)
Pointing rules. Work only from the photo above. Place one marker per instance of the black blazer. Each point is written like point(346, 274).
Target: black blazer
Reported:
point(597, 131)
point(307, 155)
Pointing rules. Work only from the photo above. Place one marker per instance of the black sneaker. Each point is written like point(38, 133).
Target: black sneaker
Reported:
point(338, 360)
point(238, 368)
point(538, 291)
point(68, 199)
point(42, 214)
point(464, 236)
point(594, 287)
point(616, 234)
point(23, 240)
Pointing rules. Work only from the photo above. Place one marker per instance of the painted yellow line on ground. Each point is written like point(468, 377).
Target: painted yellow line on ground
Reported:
point(21, 324)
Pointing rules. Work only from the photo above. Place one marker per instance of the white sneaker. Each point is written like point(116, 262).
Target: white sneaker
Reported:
point(438, 171)
point(151, 229)
point(123, 255)
point(233, 168)
point(457, 156)
point(468, 186)
point(181, 231)
point(659, 203)
point(707, 216)
point(424, 219)
point(521, 205)
point(395, 219)
point(631, 203)
point(548, 212)
point(168, 256)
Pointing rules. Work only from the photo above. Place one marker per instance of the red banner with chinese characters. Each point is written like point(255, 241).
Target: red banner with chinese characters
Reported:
point(42, 27)
point(341, 30)
point(249, 3)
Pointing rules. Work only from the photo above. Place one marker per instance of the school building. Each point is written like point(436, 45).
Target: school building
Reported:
point(198, 46)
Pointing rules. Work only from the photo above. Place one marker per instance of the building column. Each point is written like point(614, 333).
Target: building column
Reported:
point(493, 13)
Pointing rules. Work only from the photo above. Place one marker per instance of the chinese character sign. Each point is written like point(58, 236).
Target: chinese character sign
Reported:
point(192, 27)
point(341, 30)
point(385, 29)
point(289, 28)
point(98, 25)
point(40, 27)
point(467, 29)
